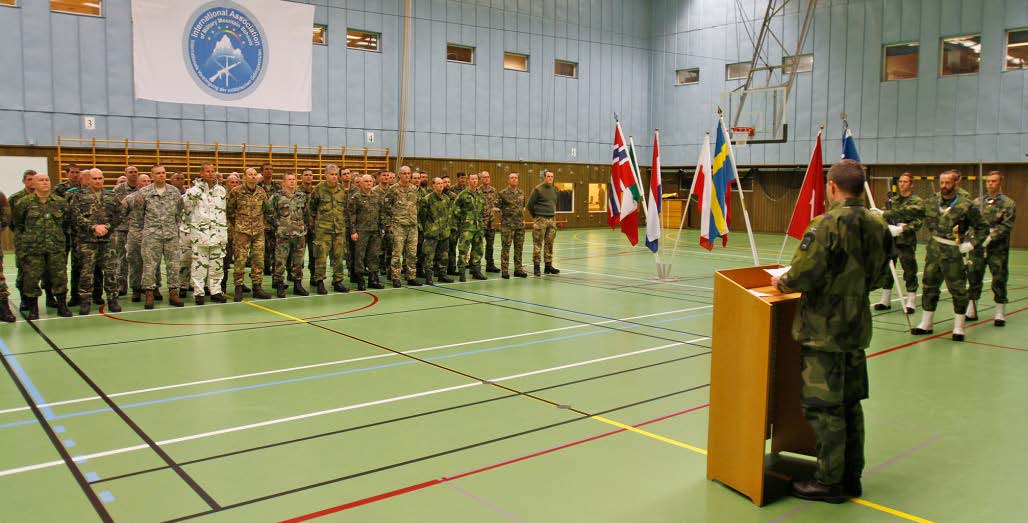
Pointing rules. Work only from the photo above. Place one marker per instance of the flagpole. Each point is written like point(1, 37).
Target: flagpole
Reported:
point(685, 210)
point(742, 199)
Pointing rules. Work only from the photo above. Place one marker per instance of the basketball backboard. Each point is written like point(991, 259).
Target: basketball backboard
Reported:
point(756, 115)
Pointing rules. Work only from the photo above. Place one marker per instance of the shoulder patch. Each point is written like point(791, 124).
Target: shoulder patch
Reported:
point(808, 239)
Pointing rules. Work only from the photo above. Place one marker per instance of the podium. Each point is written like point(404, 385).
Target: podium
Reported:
point(755, 387)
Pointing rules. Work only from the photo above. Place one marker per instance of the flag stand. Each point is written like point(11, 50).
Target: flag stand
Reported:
point(685, 213)
point(742, 198)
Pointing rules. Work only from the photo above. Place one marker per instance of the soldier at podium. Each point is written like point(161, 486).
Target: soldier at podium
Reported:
point(843, 257)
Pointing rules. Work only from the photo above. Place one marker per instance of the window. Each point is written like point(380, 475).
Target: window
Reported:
point(320, 34)
point(460, 53)
point(805, 66)
point(567, 69)
point(8, 2)
point(565, 196)
point(364, 40)
point(961, 54)
point(737, 71)
point(78, 7)
point(597, 197)
point(900, 61)
point(1017, 49)
point(515, 62)
point(687, 76)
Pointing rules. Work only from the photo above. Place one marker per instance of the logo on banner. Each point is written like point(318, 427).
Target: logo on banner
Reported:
point(226, 49)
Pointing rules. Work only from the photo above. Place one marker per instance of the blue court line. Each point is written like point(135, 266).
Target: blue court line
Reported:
point(338, 373)
point(26, 381)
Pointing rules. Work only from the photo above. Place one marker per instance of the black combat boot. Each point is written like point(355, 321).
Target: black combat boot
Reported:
point(246, 289)
point(62, 307)
point(396, 283)
point(157, 295)
point(814, 490)
point(199, 299)
point(520, 274)
point(374, 283)
point(413, 282)
point(280, 289)
point(113, 305)
point(320, 286)
point(84, 304)
point(137, 295)
point(50, 301)
point(218, 298)
point(550, 269)
point(33, 309)
point(462, 275)
point(491, 267)
point(536, 270)
point(5, 311)
point(476, 273)
point(428, 278)
point(298, 289)
point(505, 275)
point(360, 283)
point(258, 292)
point(339, 286)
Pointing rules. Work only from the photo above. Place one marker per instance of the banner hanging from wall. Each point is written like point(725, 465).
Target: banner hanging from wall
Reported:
point(243, 53)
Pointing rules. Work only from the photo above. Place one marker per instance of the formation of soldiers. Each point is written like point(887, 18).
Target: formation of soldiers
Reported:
point(407, 226)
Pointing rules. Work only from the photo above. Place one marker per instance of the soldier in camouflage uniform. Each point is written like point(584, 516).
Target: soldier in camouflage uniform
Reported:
point(5, 221)
point(288, 215)
point(904, 212)
point(468, 214)
point(119, 236)
point(162, 218)
point(134, 245)
point(364, 222)
point(401, 210)
point(418, 180)
point(489, 221)
point(231, 182)
point(511, 202)
point(95, 213)
point(957, 228)
point(270, 186)
point(41, 220)
point(328, 216)
point(454, 191)
point(841, 259)
point(385, 255)
point(435, 216)
point(26, 180)
point(307, 186)
point(71, 180)
point(66, 189)
point(999, 215)
point(245, 209)
point(206, 224)
point(542, 205)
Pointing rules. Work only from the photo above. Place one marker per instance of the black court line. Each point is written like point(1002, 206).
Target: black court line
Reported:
point(125, 418)
point(627, 289)
point(395, 420)
point(98, 505)
point(433, 455)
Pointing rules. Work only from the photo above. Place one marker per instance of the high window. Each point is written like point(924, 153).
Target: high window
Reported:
point(460, 53)
point(320, 34)
point(363, 40)
point(737, 71)
point(961, 55)
point(78, 7)
point(687, 76)
point(515, 62)
point(565, 68)
point(900, 61)
point(1017, 49)
point(806, 63)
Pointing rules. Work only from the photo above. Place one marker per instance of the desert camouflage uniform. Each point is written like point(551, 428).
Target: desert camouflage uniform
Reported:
point(245, 210)
point(401, 210)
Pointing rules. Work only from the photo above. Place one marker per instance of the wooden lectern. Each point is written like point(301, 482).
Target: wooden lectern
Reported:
point(754, 386)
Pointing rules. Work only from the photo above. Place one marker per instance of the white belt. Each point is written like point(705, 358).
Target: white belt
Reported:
point(944, 241)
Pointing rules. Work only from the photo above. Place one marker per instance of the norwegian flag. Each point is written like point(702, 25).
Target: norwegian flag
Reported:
point(619, 165)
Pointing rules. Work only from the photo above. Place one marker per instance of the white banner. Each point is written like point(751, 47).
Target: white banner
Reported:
point(243, 53)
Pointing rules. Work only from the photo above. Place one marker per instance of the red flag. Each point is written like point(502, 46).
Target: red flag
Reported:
point(811, 201)
point(618, 165)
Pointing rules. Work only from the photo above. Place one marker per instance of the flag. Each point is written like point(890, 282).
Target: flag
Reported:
point(618, 164)
point(630, 196)
point(701, 183)
point(715, 195)
point(849, 145)
point(811, 201)
point(653, 207)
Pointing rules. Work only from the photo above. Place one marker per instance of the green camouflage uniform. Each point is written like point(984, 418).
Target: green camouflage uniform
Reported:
point(385, 254)
point(468, 213)
point(308, 191)
point(11, 202)
point(512, 227)
point(489, 221)
point(999, 215)
point(162, 220)
point(401, 210)
point(944, 261)
point(42, 227)
point(542, 205)
point(841, 259)
point(206, 226)
point(909, 211)
point(422, 191)
point(364, 217)
point(88, 209)
point(435, 215)
point(245, 210)
point(453, 192)
point(288, 216)
point(270, 188)
point(328, 216)
point(119, 238)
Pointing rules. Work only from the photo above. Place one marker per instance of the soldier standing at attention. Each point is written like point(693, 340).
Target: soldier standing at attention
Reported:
point(5, 221)
point(207, 230)
point(843, 257)
point(270, 186)
point(307, 186)
point(364, 221)
point(468, 214)
point(41, 220)
point(66, 189)
point(999, 215)
point(489, 221)
point(328, 215)
point(454, 191)
point(288, 216)
point(401, 209)
point(95, 213)
point(542, 205)
point(119, 236)
point(435, 214)
point(26, 180)
point(178, 181)
point(245, 210)
point(231, 182)
point(71, 180)
point(957, 228)
point(904, 212)
point(162, 218)
point(380, 189)
point(134, 245)
point(511, 201)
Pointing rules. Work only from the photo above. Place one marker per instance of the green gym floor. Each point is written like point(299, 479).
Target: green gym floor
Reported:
point(578, 397)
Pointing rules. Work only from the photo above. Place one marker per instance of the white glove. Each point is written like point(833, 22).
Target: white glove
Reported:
point(876, 211)
point(896, 230)
point(965, 247)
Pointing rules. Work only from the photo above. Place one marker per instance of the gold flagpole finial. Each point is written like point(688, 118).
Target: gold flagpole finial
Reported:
point(719, 110)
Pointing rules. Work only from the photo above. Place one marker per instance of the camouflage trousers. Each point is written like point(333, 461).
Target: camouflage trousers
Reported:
point(436, 254)
point(206, 267)
point(153, 250)
point(451, 259)
point(385, 256)
point(269, 248)
point(405, 249)
point(996, 257)
point(544, 231)
point(490, 240)
point(421, 250)
point(94, 255)
point(907, 259)
point(76, 264)
point(289, 251)
point(310, 254)
point(119, 241)
point(185, 258)
point(833, 385)
point(134, 261)
point(515, 237)
point(469, 250)
point(52, 264)
point(944, 262)
point(247, 247)
point(366, 252)
point(328, 244)
point(4, 293)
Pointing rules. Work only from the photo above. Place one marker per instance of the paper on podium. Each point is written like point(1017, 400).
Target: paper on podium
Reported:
point(778, 272)
point(758, 293)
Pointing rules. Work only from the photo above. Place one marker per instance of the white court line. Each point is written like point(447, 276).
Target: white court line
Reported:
point(345, 408)
point(645, 280)
point(351, 360)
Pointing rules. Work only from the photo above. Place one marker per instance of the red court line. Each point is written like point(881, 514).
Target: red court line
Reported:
point(445, 479)
point(374, 301)
point(947, 333)
point(997, 346)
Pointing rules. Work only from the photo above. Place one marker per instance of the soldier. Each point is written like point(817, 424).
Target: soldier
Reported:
point(207, 227)
point(178, 181)
point(454, 191)
point(957, 228)
point(5, 221)
point(71, 180)
point(162, 218)
point(418, 180)
point(94, 213)
point(489, 222)
point(307, 185)
point(435, 215)
point(350, 182)
point(245, 210)
point(288, 215)
point(385, 251)
point(328, 214)
point(364, 222)
point(40, 220)
point(270, 186)
point(231, 182)
point(904, 212)
point(841, 259)
point(542, 205)
point(26, 180)
point(999, 215)
point(468, 213)
point(66, 189)
point(511, 202)
point(134, 246)
point(401, 209)
point(119, 236)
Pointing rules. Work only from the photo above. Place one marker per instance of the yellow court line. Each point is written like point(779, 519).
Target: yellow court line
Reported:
point(887, 510)
point(649, 434)
point(273, 311)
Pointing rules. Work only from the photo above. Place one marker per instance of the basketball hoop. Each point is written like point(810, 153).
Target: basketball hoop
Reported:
point(740, 135)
